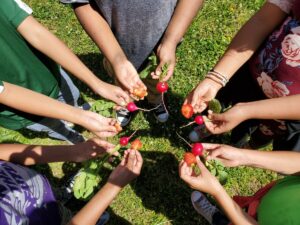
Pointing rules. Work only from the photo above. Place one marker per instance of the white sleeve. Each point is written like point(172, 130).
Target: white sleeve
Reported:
point(284, 5)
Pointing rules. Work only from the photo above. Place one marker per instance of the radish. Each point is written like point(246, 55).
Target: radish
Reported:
point(162, 87)
point(124, 140)
point(131, 107)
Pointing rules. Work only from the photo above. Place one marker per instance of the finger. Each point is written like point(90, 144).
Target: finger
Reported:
point(125, 97)
point(104, 134)
point(139, 159)
point(201, 165)
point(210, 146)
point(131, 159)
point(170, 72)
point(158, 68)
point(154, 76)
point(110, 128)
point(215, 154)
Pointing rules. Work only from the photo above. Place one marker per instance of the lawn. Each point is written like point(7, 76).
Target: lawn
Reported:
point(158, 196)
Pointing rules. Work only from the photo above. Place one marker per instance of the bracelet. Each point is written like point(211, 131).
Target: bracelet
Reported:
point(217, 77)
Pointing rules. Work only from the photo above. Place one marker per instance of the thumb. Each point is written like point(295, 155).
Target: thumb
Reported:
point(108, 128)
point(201, 165)
point(213, 154)
point(170, 72)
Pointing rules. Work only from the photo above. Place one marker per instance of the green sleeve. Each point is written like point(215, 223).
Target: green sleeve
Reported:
point(15, 11)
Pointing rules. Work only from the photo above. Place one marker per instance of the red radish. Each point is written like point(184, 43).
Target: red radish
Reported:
point(197, 149)
point(136, 144)
point(124, 141)
point(187, 111)
point(199, 120)
point(189, 159)
point(131, 107)
point(162, 87)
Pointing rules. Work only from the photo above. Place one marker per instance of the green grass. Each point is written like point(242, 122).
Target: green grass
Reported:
point(158, 196)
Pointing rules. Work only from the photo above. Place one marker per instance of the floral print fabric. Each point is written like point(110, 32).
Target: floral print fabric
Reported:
point(276, 66)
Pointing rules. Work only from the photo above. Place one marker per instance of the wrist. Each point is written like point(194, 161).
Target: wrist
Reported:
point(118, 59)
point(113, 187)
point(170, 40)
point(213, 84)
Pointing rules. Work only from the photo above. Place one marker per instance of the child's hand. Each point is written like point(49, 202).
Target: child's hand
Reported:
point(229, 156)
point(204, 182)
point(92, 148)
point(99, 125)
point(128, 77)
point(223, 122)
point(129, 168)
point(202, 94)
point(114, 93)
point(166, 55)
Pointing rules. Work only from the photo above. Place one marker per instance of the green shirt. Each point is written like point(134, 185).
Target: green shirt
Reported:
point(281, 205)
point(21, 64)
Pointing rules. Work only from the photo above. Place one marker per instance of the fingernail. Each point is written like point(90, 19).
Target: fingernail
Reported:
point(123, 103)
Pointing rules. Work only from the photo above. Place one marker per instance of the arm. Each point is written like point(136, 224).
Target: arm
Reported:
point(129, 168)
point(98, 29)
point(32, 154)
point(43, 40)
point(209, 184)
point(275, 108)
point(35, 103)
point(284, 162)
point(183, 16)
point(242, 47)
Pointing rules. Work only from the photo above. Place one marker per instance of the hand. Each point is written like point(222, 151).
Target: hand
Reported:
point(92, 148)
point(223, 122)
point(129, 168)
point(114, 93)
point(205, 182)
point(228, 155)
point(99, 125)
point(202, 94)
point(166, 54)
point(128, 77)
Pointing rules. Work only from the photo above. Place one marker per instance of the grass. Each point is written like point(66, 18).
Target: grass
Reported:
point(158, 196)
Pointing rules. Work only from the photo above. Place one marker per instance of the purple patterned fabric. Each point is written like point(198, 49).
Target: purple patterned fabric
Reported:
point(25, 197)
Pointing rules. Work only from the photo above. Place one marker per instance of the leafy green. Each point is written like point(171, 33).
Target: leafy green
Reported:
point(215, 106)
point(150, 67)
point(103, 107)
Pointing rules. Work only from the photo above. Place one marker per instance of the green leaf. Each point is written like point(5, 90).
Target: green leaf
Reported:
point(222, 176)
point(103, 107)
point(152, 64)
point(215, 106)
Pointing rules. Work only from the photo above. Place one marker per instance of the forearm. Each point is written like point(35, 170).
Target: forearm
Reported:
point(249, 38)
point(35, 103)
point(284, 162)
point(276, 108)
point(32, 154)
point(92, 211)
point(233, 211)
point(183, 16)
point(100, 32)
point(46, 42)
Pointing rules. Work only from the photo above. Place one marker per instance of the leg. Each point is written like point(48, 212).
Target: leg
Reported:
point(57, 129)
point(241, 88)
point(291, 140)
point(69, 93)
